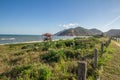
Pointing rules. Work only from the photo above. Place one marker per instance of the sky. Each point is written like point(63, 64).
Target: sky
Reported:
point(41, 16)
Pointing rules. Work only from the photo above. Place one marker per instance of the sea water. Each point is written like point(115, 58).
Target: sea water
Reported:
point(12, 39)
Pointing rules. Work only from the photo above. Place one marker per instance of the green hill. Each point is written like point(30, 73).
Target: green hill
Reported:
point(113, 32)
point(78, 31)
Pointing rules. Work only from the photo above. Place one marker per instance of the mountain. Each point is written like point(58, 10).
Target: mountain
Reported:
point(96, 31)
point(113, 32)
point(78, 31)
point(58, 33)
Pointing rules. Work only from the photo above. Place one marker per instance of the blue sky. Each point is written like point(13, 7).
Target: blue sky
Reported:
point(41, 16)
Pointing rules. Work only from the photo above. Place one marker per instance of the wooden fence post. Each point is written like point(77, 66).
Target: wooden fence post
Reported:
point(102, 48)
point(110, 40)
point(82, 70)
point(106, 43)
point(117, 39)
point(95, 58)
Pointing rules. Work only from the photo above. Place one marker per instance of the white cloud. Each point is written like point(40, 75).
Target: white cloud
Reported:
point(70, 25)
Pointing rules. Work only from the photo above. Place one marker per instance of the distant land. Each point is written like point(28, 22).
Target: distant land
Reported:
point(80, 31)
point(113, 32)
point(77, 31)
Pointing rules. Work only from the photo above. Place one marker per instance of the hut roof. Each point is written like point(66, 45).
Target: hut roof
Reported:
point(47, 34)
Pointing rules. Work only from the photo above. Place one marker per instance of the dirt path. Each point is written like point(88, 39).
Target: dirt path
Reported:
point(118, 44)
point(112, 67)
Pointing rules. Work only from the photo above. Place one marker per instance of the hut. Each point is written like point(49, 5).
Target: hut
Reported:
point(47, 37)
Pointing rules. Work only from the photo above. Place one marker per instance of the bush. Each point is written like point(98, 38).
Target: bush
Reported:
point(52, 56)
point(79, 44)
point(27, 47)
point(92, 73)
point(85, 43)
point(68, 43)
point(69, 53)
point(29, 72)
point(59, 44)
point(78, 53)
point(19, 70)
point(44, 73)
point(46, 46)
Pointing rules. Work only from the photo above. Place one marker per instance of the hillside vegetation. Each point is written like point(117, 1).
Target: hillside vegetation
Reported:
point(113, 32)
point(79, 31)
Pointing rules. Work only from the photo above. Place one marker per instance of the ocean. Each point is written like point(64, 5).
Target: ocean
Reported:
point(13, 39)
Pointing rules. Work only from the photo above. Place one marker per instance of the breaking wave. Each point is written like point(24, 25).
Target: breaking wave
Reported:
point(7, 39)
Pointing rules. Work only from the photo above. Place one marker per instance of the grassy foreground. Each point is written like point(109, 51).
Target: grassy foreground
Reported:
point(50, 60)
point(111, 69)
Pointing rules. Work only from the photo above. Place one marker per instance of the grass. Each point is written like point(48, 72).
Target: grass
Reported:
point(112, 66)
point(50, 60)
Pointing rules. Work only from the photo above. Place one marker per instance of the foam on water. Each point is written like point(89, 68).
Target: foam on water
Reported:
point(13, 39)
point(7, 38)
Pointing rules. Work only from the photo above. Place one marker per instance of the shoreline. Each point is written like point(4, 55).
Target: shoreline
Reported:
point(28, 42)
point(42, 40)
point(21, 42)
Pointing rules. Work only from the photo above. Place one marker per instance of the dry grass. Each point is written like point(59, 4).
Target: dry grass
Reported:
point(112, 67)
point(13, 55)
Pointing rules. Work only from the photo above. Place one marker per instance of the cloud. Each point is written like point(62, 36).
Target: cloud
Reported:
point(113, 21)
point(70, 25)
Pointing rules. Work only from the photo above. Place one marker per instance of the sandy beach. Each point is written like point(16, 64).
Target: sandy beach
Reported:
point(29, 42)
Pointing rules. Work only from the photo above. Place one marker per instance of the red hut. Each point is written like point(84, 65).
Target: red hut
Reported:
point(47, 36)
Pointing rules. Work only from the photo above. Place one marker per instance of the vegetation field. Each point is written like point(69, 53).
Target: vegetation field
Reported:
point(111, 69)
point(55, 60)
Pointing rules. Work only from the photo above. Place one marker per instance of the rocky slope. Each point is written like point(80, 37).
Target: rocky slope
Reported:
point(79, 31)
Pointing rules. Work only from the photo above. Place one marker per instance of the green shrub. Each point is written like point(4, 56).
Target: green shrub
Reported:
point(78, 53)
point(29, 72)
point(46, 46)
point(59, 44)
point(68, 43)
point(19, 78)
point(44, 73)
point(91, 45)
point(111, 51)
point(18, 71)
point(37, 44)
point(69, 53)
point(92, 73)
point(19, 53)
point(27, 47)
point(36, 49)
point(79, 44)
point(52, 56)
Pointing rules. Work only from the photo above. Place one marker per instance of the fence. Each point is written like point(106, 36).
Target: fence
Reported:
point(116, 38)
point(82, 65)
